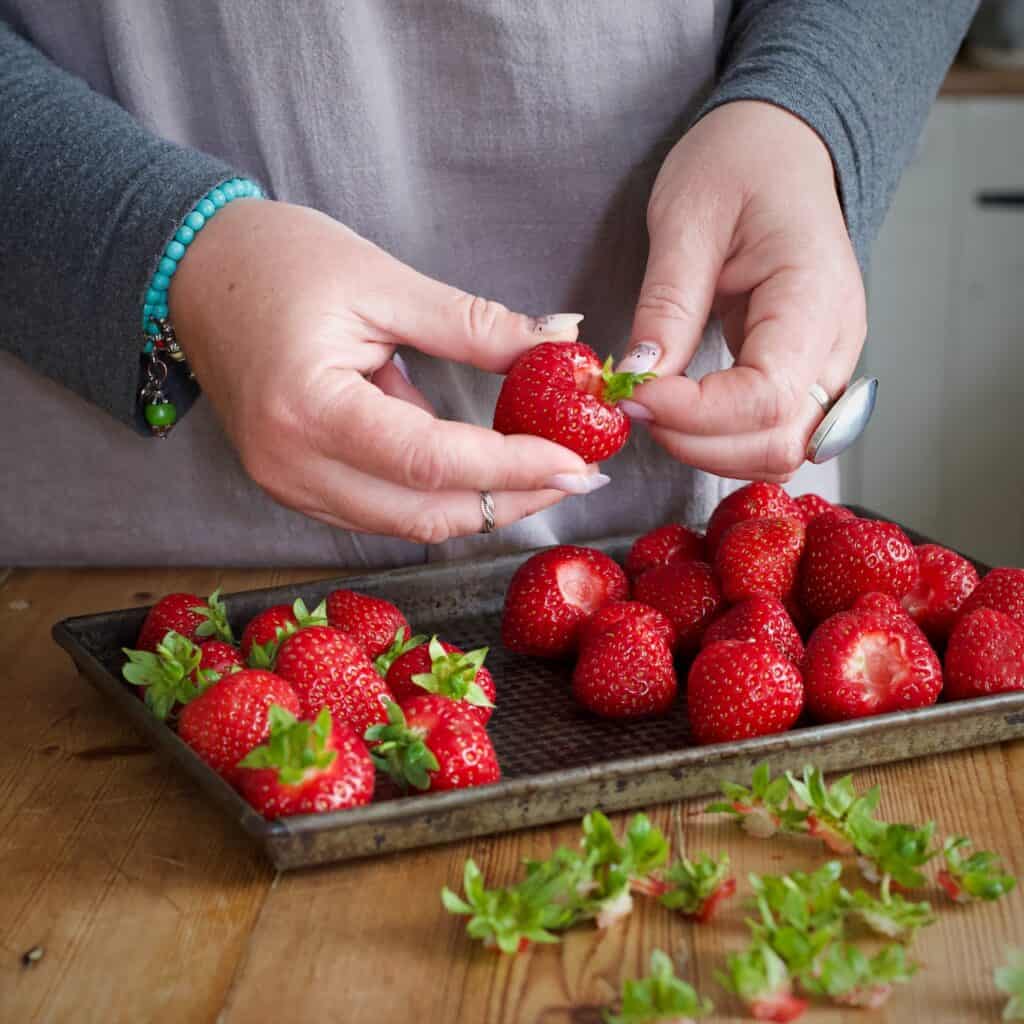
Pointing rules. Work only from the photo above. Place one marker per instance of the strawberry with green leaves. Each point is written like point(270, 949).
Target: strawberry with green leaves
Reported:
point(265, 632)
point(978, 876)
point(1010, 979)
point(849, 977)
point(377, 624)
point(660, 998)
point(760, 978)
point(833, 810)
point(306, 767)
point(189, 616)
point(890, 915)
point(445, 670)
point(696, 887)
point(763, 809)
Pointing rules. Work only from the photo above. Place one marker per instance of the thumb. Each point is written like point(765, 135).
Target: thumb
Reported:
point(683, 265)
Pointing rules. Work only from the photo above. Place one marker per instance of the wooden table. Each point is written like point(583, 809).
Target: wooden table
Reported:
point(151, 908)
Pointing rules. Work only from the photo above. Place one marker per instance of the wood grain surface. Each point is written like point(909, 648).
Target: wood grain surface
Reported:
point(149, 907)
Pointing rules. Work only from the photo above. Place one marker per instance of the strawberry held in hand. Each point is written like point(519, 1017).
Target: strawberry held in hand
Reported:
point(758, 618)
point(671, 543)
point(759, 556)
point(188, 616)
point(560, 391)
point(377, 624)
point(947, 580)
point(447, 671)
point(758, 500)
point(862, 663)
point(552, 595)
point(985, 655)
point(264, 632)
point(329, 669)
point(687, 594)
point(226, 721)
point(434, 743)
point(306, 767)
point(1002, 590)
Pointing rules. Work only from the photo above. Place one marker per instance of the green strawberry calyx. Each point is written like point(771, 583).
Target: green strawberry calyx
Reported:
point(760, 978)
point(399, 646)
point(980, 876)
point(890, 853)
point(170, 675)
point(834, 812)
point(661, 996)
point(454, 675)
point(215, 619)
point(296, 749)
point(1010, 980)
point(401, 751)
point(846, 975)
point(891, 915)
point(620, 385)
point(763, 809)
point(264, 655)
point(690, 886)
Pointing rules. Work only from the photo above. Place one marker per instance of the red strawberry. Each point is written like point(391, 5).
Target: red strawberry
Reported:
point(217, 656)
point(230, 718)
point(306, 767)
point(446, 670)
point(759, 556)
point(844, 558)
point(883, 603)
point(754, 501)
point(329, 669)
point(1002, 590)
point(687, 594)
point(553, 593)
point(946, 581)
point(264, 632)
point(626, 672)
point(433, 743)
point(665, 544)
point(861, 663)
point(560, 391)
point(812, 506)
point(985, 655)
point(758, 618)
point(377, 624)
point(742, 688)
point(188, 616)
point(615, 614)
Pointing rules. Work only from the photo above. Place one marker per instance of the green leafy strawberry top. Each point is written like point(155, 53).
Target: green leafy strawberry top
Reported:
point(839, 806)
point(620, 385)
point(453, 674)
point(401, 751)
point(399, 646)
point(264, 655)
point(661, 996)
point(167, 673)
point(296, 749)
point(844, 970)
point(215, 616)
point(1010, 979)
point(802, 900)
point(981, 875)
point(891, 915)
point(755, 973)
point(896, 851)
point(616, 865)
point(766, 793)
point(691, 883)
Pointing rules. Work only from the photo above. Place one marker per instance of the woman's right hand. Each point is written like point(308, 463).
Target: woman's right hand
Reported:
point(290, 320)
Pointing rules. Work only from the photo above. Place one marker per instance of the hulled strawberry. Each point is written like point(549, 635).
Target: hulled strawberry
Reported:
point(844, 558)
point(560, 391)
point(626, 672)
point(946, 582)
point(687, 594)
point(377, 624)
point(553, 593)
point(306, 767)
point(759, 556)
point(862, 663)
point(188, 616)
point(329, 669)
point(814, 505)
point(758, 500)
point(443, 669)
point(742, 688)
point(670, 543)
point(227, 720)
point(434, 743)
point(884, 603)
point(264, 632)
point(1002, 590)
point(985, 655)
point(615, 614)
point(758, 618)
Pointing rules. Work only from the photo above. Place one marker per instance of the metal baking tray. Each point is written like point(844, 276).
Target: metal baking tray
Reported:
point(557, 761)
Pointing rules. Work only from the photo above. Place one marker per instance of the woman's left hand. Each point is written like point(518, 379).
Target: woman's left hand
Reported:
point(745, 223)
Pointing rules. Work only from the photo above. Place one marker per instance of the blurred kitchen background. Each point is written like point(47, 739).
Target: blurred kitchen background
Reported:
point(945, 451)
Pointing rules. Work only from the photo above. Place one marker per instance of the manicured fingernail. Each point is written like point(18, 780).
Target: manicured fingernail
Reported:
point(640, 358)
point(401, 367)
point(557, 325)
point(635, 411)
point(576, 483)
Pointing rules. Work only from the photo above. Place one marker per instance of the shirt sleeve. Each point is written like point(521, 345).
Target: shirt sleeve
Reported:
point(91, 199)
point(862, 74)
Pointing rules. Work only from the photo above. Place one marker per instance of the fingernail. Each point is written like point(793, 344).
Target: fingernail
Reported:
point(640, 358)
point(577, 483)
point(635, 411)
point(401, 367)
point(557, 325)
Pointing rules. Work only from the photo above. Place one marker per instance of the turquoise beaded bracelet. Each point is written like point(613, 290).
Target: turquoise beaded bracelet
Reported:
point(160, 413)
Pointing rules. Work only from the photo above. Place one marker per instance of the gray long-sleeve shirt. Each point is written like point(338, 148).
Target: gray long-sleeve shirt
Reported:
point(505, 147)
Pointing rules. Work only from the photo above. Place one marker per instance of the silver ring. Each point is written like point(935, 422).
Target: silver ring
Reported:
point(487, 511)
point(820, 395)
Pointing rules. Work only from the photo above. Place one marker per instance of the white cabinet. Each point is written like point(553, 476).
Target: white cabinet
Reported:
point(945, 451)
